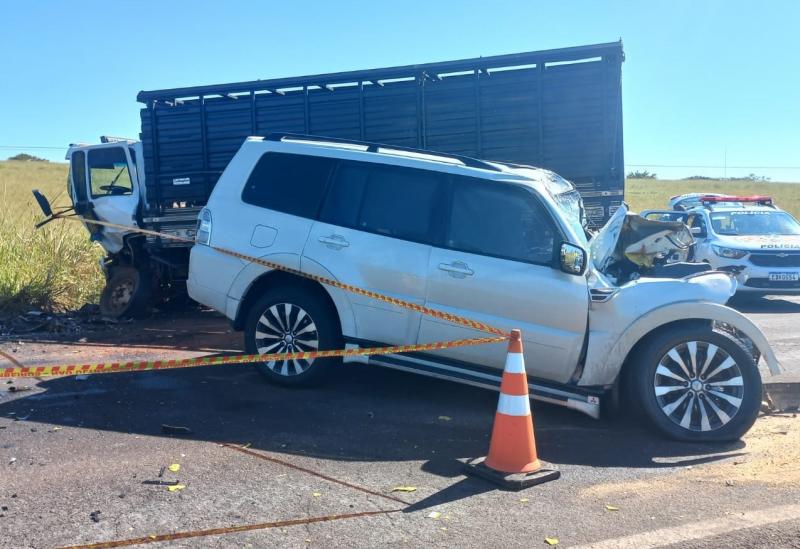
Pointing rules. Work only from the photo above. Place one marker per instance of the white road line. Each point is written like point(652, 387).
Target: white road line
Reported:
point(700, 530)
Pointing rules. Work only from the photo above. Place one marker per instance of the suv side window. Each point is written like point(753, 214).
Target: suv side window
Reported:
point(400, 202)
point(387, 200)
point(499, 220)
point(288, 183)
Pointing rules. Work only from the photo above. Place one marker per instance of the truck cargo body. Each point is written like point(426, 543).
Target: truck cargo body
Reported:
point(556, 109)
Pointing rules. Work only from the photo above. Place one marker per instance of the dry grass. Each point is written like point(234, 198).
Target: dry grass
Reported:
point(643, 194)
point(52, 268)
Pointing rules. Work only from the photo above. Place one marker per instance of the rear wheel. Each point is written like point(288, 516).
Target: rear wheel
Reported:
point(126, 294)
point(696, 384)
point(287, 320)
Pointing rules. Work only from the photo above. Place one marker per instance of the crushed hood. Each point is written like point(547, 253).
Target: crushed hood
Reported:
point(641, 241)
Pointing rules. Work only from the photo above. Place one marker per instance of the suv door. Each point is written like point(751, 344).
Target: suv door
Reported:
point(497, 266)
point(373, 232)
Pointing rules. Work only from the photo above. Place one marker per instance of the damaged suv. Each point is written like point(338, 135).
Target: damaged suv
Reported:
point(496, 242)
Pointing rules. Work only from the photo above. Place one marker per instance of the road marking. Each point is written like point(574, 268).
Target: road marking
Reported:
point(700, 530)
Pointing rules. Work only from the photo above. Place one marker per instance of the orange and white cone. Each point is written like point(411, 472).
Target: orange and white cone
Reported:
point(512, 460)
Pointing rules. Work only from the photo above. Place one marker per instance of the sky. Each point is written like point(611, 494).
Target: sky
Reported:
point(709, 87)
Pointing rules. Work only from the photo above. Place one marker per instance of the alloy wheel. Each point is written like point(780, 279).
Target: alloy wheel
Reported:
point(698, 386)
point(286, 328)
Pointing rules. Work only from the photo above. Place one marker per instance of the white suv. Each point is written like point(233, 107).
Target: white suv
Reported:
point(499, 243)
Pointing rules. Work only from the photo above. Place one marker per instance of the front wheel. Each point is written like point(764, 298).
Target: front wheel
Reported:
point(696, 384)
point(289, 320)
point(127, 293)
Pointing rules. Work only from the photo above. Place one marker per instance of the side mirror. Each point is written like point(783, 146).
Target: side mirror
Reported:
point(44, 204)
point(697, 231)
point(572, 259)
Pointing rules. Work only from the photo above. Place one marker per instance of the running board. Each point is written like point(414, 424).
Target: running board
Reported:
point(575, 398)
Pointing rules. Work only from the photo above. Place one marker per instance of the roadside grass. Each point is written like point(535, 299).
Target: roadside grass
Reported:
point(648, 194)
point(56, 267)
point(53, 268)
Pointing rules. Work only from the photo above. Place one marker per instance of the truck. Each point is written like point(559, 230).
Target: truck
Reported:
point(557, 109)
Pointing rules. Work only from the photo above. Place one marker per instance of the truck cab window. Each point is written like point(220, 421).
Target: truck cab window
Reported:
point(78, 169)
point(108, 172)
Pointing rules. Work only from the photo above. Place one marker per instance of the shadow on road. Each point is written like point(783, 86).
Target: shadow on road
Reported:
point(761, 304)
point(363, 414)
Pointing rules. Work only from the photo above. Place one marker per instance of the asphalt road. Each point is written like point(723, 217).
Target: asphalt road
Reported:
point(85, 460)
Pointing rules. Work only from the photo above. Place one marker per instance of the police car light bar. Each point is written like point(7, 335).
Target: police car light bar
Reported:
point(760, 199)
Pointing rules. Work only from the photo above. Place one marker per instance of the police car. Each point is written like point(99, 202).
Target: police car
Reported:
point(749, 235)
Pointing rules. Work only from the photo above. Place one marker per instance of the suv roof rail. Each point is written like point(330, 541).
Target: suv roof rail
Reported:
point(373, 147)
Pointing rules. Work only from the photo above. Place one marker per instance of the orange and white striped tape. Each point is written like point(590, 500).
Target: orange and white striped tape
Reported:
point(144, 365)
point(137, 366)
point(456, 319)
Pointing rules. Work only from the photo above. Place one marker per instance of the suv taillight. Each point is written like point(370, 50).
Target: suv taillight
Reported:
point(204, 227)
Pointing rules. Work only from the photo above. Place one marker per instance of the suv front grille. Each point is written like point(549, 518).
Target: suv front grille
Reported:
point(776, 259)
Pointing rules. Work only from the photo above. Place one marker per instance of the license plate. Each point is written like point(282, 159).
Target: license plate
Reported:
point(784, 277)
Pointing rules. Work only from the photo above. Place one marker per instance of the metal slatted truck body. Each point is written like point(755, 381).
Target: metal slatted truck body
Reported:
point(557, 109)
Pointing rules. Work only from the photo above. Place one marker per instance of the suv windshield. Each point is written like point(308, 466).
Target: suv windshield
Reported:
point(754, 223)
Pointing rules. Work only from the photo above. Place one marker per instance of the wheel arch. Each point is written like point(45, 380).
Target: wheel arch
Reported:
point(605, 361)
point(275, 278)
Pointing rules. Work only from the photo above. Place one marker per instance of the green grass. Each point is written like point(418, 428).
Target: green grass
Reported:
point(648, 194)
point(56, 267)
point(53, 268)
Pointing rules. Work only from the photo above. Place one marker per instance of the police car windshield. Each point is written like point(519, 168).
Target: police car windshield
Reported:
point(754, 222)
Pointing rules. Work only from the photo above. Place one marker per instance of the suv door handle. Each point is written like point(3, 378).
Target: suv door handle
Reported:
point(457, 269)
point(334, 241)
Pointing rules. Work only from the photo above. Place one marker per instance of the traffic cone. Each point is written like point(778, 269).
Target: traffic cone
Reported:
point(512, 461)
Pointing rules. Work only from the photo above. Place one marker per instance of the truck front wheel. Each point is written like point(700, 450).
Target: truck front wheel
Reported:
point(127, 293)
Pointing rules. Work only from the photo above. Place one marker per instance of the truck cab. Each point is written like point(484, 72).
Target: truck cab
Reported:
point(104, 184)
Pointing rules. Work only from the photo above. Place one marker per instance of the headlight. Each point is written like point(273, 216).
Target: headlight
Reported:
point(729, 253)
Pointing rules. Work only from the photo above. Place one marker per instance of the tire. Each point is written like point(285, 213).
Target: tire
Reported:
point(127, 293)
point(309, 323)
point(719, 404)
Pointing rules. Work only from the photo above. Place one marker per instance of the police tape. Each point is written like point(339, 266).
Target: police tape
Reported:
point(456, 319)
point(145, 365)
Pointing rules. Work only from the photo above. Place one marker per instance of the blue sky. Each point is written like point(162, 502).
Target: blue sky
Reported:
point(703, 80)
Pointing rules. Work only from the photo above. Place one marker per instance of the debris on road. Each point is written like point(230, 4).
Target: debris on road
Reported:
point(95, 516)
point(523, 500)
point(175, 429)
point(445, 418)
point(404, 489)
point(175, 467)
point(15, 389)
point(316, 494)
point(176, 487)
point(612, 508)
point(551, 541)
point(12, 461)
point(434, 515)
